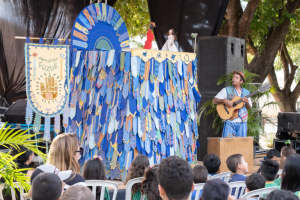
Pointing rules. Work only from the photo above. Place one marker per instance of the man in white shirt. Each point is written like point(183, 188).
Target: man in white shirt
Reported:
point(237, 125)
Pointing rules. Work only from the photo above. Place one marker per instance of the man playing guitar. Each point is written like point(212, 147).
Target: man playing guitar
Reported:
point(238, 123)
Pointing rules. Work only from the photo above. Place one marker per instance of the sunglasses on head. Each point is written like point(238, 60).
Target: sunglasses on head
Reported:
point(80, 151)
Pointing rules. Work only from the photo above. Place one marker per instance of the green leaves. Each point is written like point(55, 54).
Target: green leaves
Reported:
point(8, 168)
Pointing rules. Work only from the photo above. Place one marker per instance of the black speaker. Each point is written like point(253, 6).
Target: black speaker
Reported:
point(288, 122)
point(216, 56)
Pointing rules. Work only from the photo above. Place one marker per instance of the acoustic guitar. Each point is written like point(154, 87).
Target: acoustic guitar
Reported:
point(229, 113)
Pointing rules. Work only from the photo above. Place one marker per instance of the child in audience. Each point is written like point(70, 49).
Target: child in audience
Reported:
point(64, 154)
point(286, 151)
point(46, 186)
point(212, 163)
point(95, 170)
point(149, 185)
point(291, 174)
point(236, 164)
point(216, 189)
point(272, 154)
point(254, 182)
point(269, 169)
point(175, 178)
point(78, 192)
point(136, 170)
point(200, 176)
point(281, 195)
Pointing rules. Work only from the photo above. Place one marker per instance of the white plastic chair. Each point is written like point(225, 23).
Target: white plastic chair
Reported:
point(198, 188)
point(238, 185)
point(96, 183)
point(279, 172)
point(13, 195)
point(129, 187)
point(259, 192)
point(225, 176)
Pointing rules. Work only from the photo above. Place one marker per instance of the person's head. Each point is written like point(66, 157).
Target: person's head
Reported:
point(281, 195)
point(286, 151)
point(238, 78)
point(269, 169)
point(273, 154)
point(137, 169)
point(152, 25)
point(94, 169)
point(65, 152)
point(200, 174)
point(236, 164)
point(212, 163)
point(254, 182)
point(175, 178)
point(25, 158)
point(149, 183)
point(78, 192)
point(46, 186)
point(172, 32)
point(215, 189)
point(291, 173)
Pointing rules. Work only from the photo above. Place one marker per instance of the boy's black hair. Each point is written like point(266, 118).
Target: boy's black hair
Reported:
point(255, 181)
point(273, 152)
point(233, 161)
point(200, 174)
point(291, 173)
point(212, 163)
point(175, 176)
point(46, 186)
point(281, 195)
point(269, 169)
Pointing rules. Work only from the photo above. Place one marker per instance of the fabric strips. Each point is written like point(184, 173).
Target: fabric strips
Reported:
point(123, 105)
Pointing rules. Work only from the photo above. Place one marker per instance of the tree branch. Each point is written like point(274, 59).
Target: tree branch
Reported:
point(285, 65)
point(273, 79)
point(247, 17)
point(234, 12)
point(251, 46)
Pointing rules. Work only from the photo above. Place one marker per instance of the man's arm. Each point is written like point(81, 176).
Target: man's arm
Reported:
point(217, 101)
point(247, 104)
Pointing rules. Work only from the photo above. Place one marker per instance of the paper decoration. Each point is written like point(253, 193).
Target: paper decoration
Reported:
point(150, 111)
point(99, 26)
point(47, 71)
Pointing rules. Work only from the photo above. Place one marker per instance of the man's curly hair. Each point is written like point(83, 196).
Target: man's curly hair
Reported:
point(150, 185)
point(136, 170)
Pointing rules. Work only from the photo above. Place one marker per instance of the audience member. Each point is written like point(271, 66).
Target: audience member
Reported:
point(78, 192)
point(94, 170)
point(46, 186)
point(269, 169)
point(281, 195)
point(272, 154)
point(136, 170)
point(175, 179)
point(236, 164)
point(291, 174)
point(286, 151)
point(150, 185)
point(64, 155)
point(200, 176)
point(254, 182)
point(212, 163)
point(216, 189)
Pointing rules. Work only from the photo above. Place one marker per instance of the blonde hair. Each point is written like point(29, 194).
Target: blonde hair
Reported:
point(62, 151)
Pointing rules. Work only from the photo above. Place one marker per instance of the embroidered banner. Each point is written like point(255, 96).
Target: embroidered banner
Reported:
point(47, 71)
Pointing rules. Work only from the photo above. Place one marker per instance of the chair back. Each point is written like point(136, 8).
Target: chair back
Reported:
point(225, 176)
point(279, 172)
point(129, 187)
point(1, 189)
point(260, 192)
point(96, 183)
point(238, 185)
point(198, 188)
point(13, 194)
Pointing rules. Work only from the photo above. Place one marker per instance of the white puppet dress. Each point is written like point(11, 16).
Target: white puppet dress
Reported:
point(170, 45)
